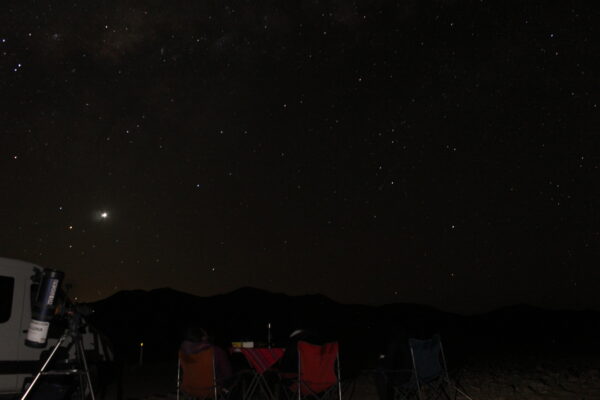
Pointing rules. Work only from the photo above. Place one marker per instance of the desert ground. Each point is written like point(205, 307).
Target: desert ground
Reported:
point(500, 378)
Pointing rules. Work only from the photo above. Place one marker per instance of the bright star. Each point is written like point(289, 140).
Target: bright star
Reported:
point(101, 215)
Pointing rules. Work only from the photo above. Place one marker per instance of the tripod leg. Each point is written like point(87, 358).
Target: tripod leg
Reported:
point(81, 386)
point(81, 352)
point(62, 339)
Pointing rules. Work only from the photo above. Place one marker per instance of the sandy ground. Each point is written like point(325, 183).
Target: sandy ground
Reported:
point(559, 378)
point(526, 379)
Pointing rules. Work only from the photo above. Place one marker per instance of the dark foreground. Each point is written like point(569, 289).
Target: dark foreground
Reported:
point(506, 378)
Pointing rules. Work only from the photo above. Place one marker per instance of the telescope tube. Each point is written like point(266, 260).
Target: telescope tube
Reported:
point(44, 308)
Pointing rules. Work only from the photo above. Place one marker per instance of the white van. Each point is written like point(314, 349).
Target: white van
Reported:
point(19, 362)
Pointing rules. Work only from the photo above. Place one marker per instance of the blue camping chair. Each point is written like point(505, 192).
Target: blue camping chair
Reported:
point(429, 376)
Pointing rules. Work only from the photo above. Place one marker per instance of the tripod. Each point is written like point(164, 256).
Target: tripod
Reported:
point(73, 332)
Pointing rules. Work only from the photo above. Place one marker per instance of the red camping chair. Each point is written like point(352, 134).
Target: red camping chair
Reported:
point(318, 372)
point(198, 375)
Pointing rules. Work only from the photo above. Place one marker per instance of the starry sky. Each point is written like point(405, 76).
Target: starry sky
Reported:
point(437, 152)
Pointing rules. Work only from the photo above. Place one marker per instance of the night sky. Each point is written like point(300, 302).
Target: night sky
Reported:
point(437, 152)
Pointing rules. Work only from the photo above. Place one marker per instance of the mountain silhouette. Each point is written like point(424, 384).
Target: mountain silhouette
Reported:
point(159, 317)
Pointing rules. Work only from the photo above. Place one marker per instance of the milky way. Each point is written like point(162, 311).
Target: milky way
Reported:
point(436, 152)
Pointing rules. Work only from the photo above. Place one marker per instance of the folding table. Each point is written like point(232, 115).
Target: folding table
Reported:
point(260, 359)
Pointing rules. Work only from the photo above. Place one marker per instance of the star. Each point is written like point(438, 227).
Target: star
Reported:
point(101, 215)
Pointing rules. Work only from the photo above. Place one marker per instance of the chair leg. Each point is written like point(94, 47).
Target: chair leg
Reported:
point(458, 390)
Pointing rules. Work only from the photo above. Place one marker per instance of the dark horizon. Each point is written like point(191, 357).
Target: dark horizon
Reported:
point(249, 291)
point(441, 153)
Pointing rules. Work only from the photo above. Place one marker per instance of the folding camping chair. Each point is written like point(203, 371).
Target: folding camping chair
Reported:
point(429, 376)
point(196, 376)
point(318, 372)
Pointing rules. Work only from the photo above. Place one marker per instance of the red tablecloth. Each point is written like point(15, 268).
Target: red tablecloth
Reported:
point(262, 359)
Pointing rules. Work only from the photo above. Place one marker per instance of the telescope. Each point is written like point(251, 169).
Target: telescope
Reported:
point(45, 310)
point(44, 307)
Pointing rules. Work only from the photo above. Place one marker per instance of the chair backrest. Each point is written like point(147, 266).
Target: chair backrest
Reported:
point(427, 358)
point(198, 373)
point(317, 366)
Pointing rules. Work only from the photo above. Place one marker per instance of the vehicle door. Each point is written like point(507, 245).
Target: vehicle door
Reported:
point(11, 299)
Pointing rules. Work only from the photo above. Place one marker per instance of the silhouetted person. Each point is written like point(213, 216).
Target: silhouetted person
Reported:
point(289, 362)
point(394, 364)
point(197, 340)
